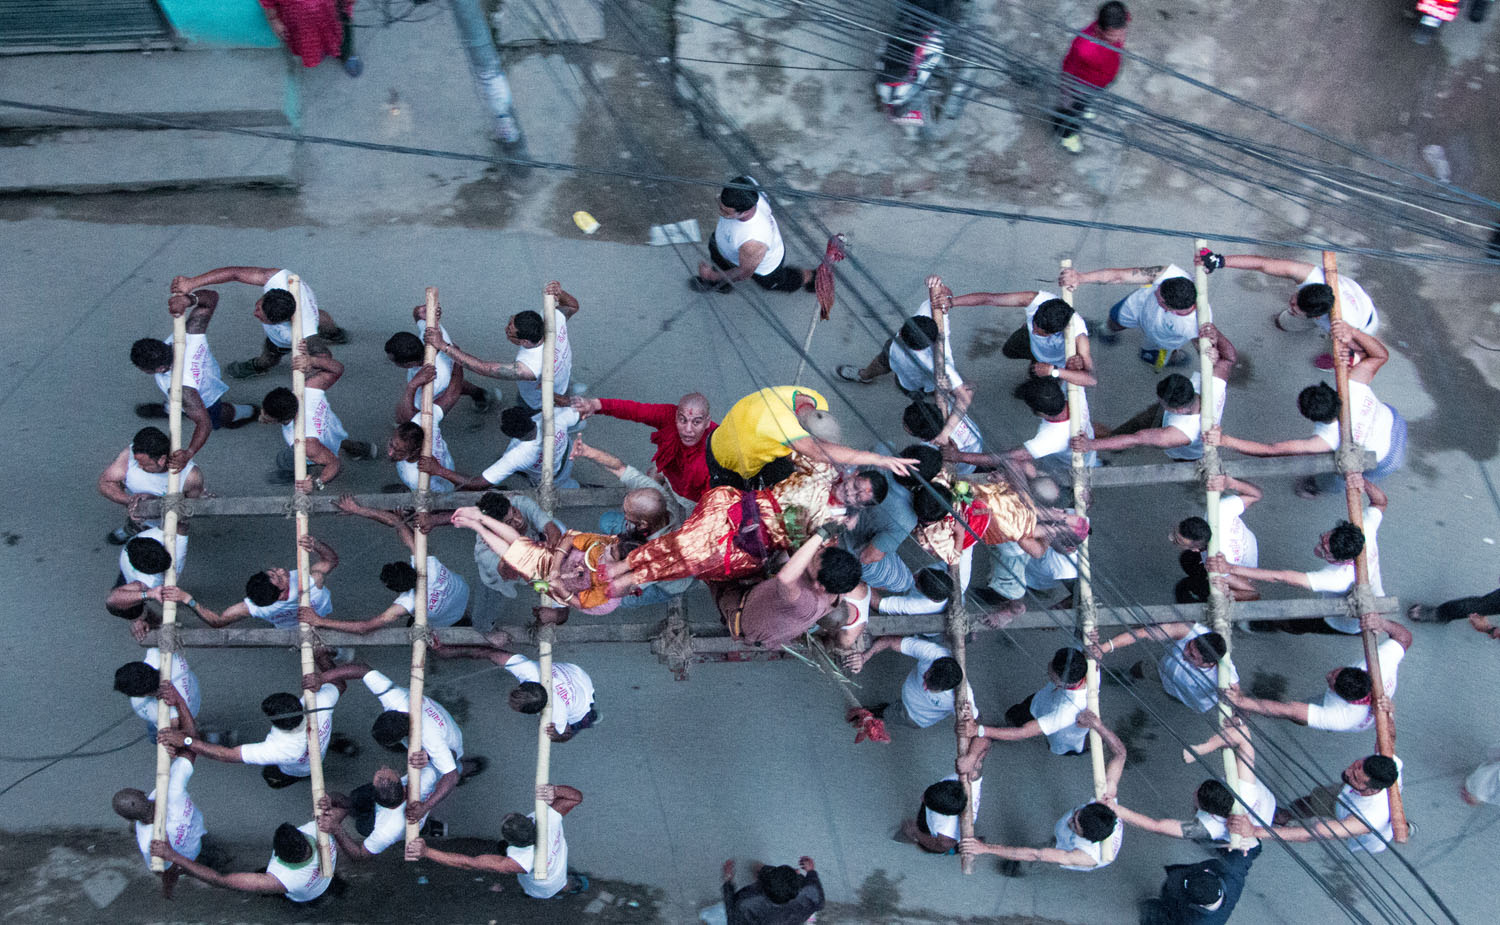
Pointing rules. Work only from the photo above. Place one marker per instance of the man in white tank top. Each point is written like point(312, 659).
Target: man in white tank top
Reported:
point(747, 244)
point(274, 310)
point(404, 448)
point(203, 387)
point(138, 473)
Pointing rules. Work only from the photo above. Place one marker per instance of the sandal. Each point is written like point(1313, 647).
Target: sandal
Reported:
point(851, 373)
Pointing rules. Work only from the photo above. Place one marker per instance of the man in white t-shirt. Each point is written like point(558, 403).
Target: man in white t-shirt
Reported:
point(518, 846)
point(1237, 544)
point(1175, 422)
point(935, 828)
point(1043, 338)
point(447, 592)
point(1049, 449)
point(1089, 836)
point(141, 681)
point(747, 244)
point(184, 826)
point(273, 594)
point(909, 356)
point(274, 310)
point(927, 694)
point(379, 811)
point(1349, 704)
point(325, 436)
point(294, 871)
point(1164, 309)
point(138, 473)
point(572, 693)
point(404, 448)
point(1338, 547)
point(407, 351)
point(1313, 297)
point(526, 330)
point(442, 740)
point(283, 754)
point(1188, 668)
point(1361, 811)
point(203, 388)
point(1373, 424)
point(143, 565)
point(1052, 711)
point(1214, 803)
point(524, 454)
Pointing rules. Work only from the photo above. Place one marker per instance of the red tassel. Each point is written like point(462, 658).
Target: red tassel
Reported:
point(867, 726)
point(823, 276)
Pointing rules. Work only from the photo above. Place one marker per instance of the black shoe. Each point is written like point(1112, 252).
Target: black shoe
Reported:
point(337, 336)
point(878, 710)
point(699, 284)
point(151, 410)
point(343, 745)
point(478, 764)
point(359, 449)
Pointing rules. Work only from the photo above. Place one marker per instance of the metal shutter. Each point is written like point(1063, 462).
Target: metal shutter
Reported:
point(52, 23)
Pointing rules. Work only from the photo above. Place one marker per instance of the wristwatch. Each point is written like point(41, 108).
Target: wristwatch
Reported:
point(187, 741)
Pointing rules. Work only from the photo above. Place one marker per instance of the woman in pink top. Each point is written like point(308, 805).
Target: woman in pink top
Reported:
point(1091, 65)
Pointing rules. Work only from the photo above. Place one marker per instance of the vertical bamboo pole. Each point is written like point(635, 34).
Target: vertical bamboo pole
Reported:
point(545, 632)
point(1218, 601)
point(168, 637)
point(419, 611)
point(957, 618)
point(1385, 727)
point(1086, 609)
point(304, 565)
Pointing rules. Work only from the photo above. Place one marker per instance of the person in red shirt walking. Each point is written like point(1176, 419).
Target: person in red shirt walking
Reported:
point(1090, 65)
point(681, 437)
point(315, 29)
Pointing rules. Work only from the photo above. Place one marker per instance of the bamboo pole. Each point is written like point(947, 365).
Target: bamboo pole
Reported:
point(1218, 601)
point(711, 636)
point(545, 632)
point(1086, 609)
point(957, 619)
point(304, 566)
point(419, 611)
point(168, 634)
point(1380, 705)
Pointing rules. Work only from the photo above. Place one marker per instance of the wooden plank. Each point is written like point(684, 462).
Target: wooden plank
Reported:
point(1241, 467)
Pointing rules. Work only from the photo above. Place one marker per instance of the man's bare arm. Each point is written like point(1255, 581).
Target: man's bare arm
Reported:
point(1295, 270)
point(251, 276)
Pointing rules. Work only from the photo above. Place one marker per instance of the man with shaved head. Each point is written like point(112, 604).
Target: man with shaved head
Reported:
point(680, 432)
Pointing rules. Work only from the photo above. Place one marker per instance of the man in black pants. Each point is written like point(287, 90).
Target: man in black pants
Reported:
point(747, 244)
point(1476, 610)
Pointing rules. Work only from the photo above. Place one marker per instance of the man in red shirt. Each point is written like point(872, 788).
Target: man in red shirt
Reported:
point(1091, 65)
point(681, 436)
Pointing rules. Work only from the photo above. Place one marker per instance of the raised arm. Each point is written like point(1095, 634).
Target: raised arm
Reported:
point(1296, 711)
point(326, 559)
point(417, 849)
point(1116, 748)
point(512, 371)
point(203, 425)
point(411, 394)
point(566, 303)
point(1070, 278)
point(251, 276)
point(245, 882)
point(1295, 270)
point(1301, 446)
point(1221, 350)
point(997, 299)
point(856, 661)
point(1172, 828)
point(1281, 576)
point(840, 455)
point(1375, 353)
point(1075, 858)
point(560, 797)
point(1249, 492)
point(347, 504)
point(1161, 437)
point(321, 369)
point(962, 398)
point(112, 479)
point(1131, 637)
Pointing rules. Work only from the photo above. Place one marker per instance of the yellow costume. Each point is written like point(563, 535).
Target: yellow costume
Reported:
point(760, 428)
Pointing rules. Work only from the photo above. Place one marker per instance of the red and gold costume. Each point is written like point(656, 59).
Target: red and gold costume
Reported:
point(996, 512)
point(703, 547)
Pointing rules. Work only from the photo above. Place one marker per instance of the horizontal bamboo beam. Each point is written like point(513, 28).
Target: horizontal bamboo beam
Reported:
point(612, 496)
point(713, 637)
point(274, 505)
point(1247, 467)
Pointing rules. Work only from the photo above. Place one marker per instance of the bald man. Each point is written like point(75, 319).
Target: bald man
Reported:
point(680, 432)
point(644, 515)
point(184, 821)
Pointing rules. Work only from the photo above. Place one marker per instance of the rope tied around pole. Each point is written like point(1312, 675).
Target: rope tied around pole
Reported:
point(167, 639)
point(299, 504)
point(176, 503)
point(420, 633)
